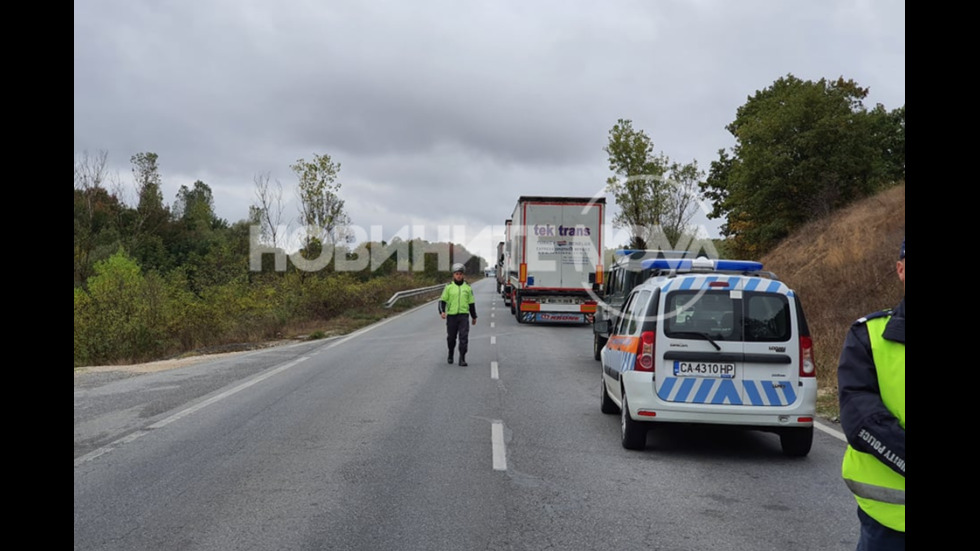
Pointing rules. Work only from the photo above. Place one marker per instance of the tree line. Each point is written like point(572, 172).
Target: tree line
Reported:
point(802, 150)
point(154, 280)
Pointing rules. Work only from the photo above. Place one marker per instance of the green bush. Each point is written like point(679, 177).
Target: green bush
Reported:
point(118, 317)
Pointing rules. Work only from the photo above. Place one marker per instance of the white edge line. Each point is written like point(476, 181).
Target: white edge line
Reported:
point(497, 442)
point(494, 374)
point(164, 422)
point(181, 414)
point(185, 412)
point(833, 432)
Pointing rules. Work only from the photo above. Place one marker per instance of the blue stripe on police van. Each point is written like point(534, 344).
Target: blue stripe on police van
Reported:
point(686, 386)
point(752, 393)
point(704, 391)
point(771, 393)
point(751, 284)
point(687, 283)
point(789, 394)
point(774, 286)
point(727, 392)
point(628, 361)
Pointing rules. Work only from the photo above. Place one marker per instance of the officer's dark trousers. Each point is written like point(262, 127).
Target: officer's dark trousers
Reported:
point(875, 537)
point(458, 324)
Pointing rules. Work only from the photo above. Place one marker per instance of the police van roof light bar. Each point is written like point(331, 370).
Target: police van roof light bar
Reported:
point(701, 264)
point(652, 253)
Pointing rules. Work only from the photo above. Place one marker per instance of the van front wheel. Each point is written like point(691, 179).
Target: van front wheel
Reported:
point(606, 405)
point(597, 344)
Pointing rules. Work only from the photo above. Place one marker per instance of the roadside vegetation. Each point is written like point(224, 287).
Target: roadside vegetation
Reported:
point(155, 281)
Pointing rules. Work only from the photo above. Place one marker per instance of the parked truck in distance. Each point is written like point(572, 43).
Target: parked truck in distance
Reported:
point(553, 257)
point(500, 274)
point(505, 268)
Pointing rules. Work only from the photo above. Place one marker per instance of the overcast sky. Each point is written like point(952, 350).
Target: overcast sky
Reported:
point(442, 113)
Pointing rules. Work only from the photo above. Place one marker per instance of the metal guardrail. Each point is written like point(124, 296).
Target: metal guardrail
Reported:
point(412, 293)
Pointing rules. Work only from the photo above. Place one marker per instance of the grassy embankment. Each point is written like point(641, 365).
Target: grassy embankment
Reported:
point(843, 267)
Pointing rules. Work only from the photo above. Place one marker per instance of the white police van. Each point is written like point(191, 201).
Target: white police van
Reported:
point(718, 342)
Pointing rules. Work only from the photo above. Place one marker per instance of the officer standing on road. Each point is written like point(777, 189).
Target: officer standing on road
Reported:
point(871, 386)
point(456, 306)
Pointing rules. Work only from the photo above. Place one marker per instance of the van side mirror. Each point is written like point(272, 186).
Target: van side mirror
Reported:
point(602, 326)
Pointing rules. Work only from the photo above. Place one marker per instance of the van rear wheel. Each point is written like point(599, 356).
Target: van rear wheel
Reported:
point(796, 442)
point(633, 432)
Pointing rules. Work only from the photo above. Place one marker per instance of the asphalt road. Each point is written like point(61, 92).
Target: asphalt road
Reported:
point(371, 441)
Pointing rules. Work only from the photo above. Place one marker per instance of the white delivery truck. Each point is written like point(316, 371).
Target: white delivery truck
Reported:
point(554, 248)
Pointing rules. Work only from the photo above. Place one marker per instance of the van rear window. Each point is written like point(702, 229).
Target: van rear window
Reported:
point(755, 317)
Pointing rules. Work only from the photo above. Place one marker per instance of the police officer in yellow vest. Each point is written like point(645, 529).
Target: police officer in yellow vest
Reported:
point(871, 386)
point(457, 305)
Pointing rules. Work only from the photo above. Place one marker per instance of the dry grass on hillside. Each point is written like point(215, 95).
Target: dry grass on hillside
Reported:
point(843, 267)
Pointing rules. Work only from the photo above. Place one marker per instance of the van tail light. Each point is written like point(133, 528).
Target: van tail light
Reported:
point(644, 353)
point(808, 367)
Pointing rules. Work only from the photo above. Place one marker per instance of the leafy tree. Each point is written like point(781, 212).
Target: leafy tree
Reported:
point(198, 242)
point(147, 228)
point(97, 214)
point(889, 128)
point(321, 208)
point(267, 213)
point(681, 201)
point(803, 149)
point(195, 206)
point(146, 174)
point(655, 196)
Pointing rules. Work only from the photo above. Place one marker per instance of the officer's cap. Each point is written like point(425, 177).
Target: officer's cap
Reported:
point(457, 267)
